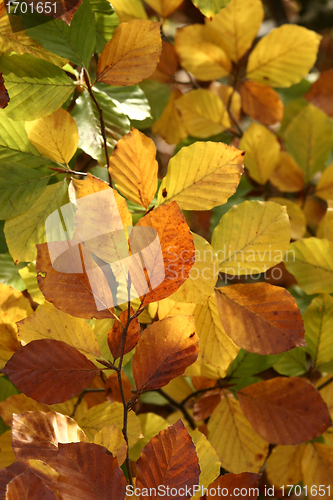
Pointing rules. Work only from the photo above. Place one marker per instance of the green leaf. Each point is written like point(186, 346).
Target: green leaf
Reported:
point(87, 118)
point(25, 231)
point(36, 87)
point(106, 21)
point(158, 96)
point(210, 7)
point(247, 364)
point(318, 324)
point(19, 188)
point(9, 273)
point(292, 363)
point(75, 42)
point(130, 100)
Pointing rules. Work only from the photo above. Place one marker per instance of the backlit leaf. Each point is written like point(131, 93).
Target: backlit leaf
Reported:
point(310, 260)
point(317, 469)
point(87, 470)
point(308, 138)
point(116, 332)
point(169, 460)
point(285, 410)
point(132, 101)
point(237, 444)
point(164, 7)
point(284, 56)
point(36, 435)
point(200, 52)
point(260, 317)
point(262, 152)
point(209, 461)
point(284, 465)
point(132, 53)
point(151, 424)
point(26, 486)
point(261, 103)
point(17, 404)
point(202, 176)
point(36, 88)
point(243, 234)
point(169, 125)
point(29, 277)
point(210, 7)
point(287, 175)
point(129, 9)
point(318, 322)
point(324, 188)
point(168, 307)
point(112, 439)
point(238, 25)
point(133, 167)
point(33, 367)
point(245, 481)
point(55, 136)
point(321, 92)
point(165, 349)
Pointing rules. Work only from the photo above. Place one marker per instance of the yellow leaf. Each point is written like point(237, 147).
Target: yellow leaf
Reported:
point(327, 394)
point(284, 56)
point(29, 276)
point(133, 167)
point(251, 237)
point(308, 139)
point(202, 176)
point(296, 216)
point(169, 125)
point(51, 323)
point(200, 284)
point(132, 53)
point(310, 260)
point(239, 447)
point(216, 348)
point(151, 424)
point(107, 414)
point(178, 388)
point(7, 456)
point(287, 176)
point(55, 136)
point(318, 322)
point(210, 7)
point(200, 52)
point(164, 7)
point(262, 151)
point(283, 466)
point(225, 93)
point(202, 113)
point(112, 439)
point(317, 469)
point(168, 307)
point(209, 461)
point(238, 25)
point(129, 9)
point(324, 188)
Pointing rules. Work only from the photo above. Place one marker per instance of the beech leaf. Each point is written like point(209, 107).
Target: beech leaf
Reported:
point(4, 96)
point(247, 480)
point(116, 332)
point(27, 486)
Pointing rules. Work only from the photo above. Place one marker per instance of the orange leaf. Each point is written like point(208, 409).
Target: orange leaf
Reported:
point(165, 349)
point(260, 317)
point(36, 435)
point(132, 53)
point(28, 486)
point(169, 460)
point(167, 65)
point(116, 332)
point(177, 248)
point(261, 103)
point(89, 471)
point(321, 92)
point(9, 473)
point(285, 410)
point(72, 292)
point(50, 371)
point(112, 390)
point(4, 96)
point(228, 482)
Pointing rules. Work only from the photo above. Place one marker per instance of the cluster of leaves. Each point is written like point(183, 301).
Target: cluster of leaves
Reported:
point(243, 366)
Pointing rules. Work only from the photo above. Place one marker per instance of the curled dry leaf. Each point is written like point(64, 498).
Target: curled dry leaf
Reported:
point(132, 53)
point(261, 102)
point(285, 410)
point(260, 317)
point(4, 96)
point(169, 460)
point(165, 349)
point(89, 471)
point(50, 371)
point(28, 486)
point(228, 482)
point(116, 332)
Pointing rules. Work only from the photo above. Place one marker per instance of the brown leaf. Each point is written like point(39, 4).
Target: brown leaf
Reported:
point(167, 65)
point(285, 410)
point(260, 317)
point(169, 460)
point(203, 408)
point(50, 371)
point(115, 334)
point(228, 482)
point(321, 92)
point(112, 389)
point(177, 248)
point(72, 292)
point(132, 53)
point(4, 96)
point(165, 349)
point(27, 486)
point(36, 435)
point(7, 474)
point(89, 471)
point(261, 103)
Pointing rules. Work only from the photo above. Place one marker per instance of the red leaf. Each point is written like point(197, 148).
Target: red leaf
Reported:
point(116, 332)
point(7, 474)
point(27, 486)
point(50, 371)
point(228, 483)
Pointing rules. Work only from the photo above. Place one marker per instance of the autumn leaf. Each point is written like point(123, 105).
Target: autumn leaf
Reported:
point(285, 410)
point(116, 332)
point(261, 102)
point(317, 469)
point(27, 485)
point(228, 483)
point(319, 328)
point(164, 7)
point(112, 438)
point(324, 188)
point(209, 461)
point(296, 216)
point(321, 91)
point(287, 175)
point(4, 96)
point(132, 53)
point(170, 125)
point(283, 466)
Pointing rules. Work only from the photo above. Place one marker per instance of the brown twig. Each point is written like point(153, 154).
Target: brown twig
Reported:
point(179, 406)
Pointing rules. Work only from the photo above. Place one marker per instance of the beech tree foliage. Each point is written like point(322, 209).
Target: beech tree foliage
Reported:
point(221, 374)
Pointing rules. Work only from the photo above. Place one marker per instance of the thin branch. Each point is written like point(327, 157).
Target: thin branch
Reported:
point(83, 393)
point(180, 407)
point(66, 171)
point(325, 384)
